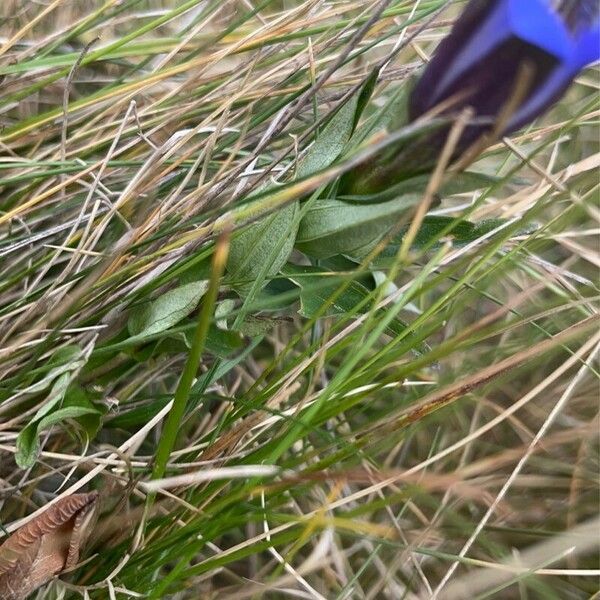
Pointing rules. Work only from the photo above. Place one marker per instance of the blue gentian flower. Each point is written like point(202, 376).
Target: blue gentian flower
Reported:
point(477, 64)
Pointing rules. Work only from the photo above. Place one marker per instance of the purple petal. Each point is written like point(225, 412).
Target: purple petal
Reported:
point(544, 96)
point(465, 27)
point(535, 22)
point(492, 32)
point(588, 46)
point(479, 61)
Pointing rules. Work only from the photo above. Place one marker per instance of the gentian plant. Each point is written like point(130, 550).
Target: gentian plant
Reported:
point(477, 66)
point(285, 308)
point(504, 61)
point(479, 60)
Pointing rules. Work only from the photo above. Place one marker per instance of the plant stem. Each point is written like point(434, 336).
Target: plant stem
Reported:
point(171, 428)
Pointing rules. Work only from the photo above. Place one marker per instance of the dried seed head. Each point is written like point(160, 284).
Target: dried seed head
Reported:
point(45, 546)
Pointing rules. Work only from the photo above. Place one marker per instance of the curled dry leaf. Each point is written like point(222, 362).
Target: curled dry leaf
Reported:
point(45, 546)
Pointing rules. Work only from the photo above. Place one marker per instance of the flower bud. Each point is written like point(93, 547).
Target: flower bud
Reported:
point(478, 63)
point(478, 67)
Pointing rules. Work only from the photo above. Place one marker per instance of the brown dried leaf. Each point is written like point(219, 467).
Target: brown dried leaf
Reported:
point(45, 546)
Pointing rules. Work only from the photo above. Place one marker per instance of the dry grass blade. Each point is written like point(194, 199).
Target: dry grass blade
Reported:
point(451, 393)
point(351, 424)
point(578, 541)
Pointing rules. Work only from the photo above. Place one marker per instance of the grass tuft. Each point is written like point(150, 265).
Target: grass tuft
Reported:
point(421, 425)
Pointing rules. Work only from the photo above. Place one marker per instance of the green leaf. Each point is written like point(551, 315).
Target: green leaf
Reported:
point(317, 286)
point(332, 226)
point(64, 360)
point(223, 312)
point(461, 183)
point(55, 396)
point(138, 415)
point(167, 310)
point(272, 238)
point(467, 181)
point(390, 117)
point(253, 326)
point(220, 342)
point(68, 412)
point(77, 396)
point(65, 355)
point(331, 142)
point(78, 406)
point(27, 446)
point(278, 294)
point(365, 95)
point(435, 228)
point(223, 343)
point(459, 232)
point(193, 268)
